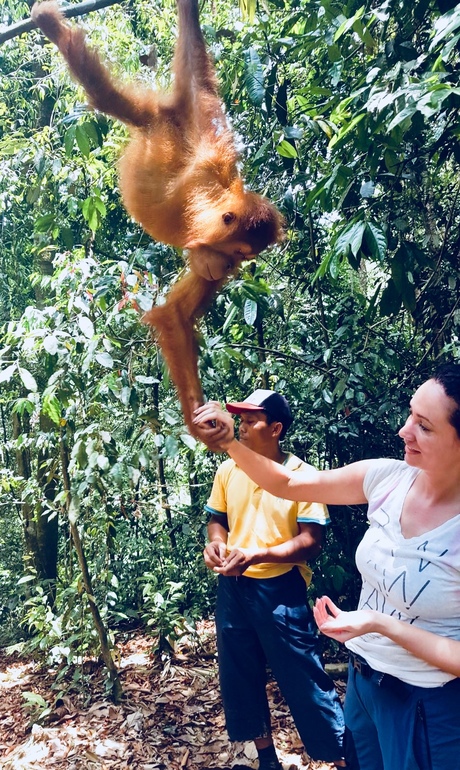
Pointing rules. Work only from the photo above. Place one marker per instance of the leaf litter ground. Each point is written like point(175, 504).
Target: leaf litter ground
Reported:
point(170, 718)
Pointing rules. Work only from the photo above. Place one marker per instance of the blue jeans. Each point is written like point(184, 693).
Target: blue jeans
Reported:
point(396, 726)
point(269, 621)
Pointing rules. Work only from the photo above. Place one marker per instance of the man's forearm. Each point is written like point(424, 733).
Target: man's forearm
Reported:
point(217, 531)
point(300, 548)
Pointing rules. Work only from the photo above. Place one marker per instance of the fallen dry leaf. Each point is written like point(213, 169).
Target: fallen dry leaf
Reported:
point(170, 719)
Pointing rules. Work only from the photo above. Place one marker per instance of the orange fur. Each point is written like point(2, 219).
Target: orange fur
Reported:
point(174, 323)
point(178, 177)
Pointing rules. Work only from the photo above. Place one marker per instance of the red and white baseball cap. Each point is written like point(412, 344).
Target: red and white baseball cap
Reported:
point(268, 401)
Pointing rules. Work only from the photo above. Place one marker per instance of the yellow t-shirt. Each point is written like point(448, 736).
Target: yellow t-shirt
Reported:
point(258, 519)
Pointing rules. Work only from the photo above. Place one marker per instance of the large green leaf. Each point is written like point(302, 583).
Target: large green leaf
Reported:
point(254, 77)
point(248, 8)
point(28, 379)
point(348, 24)
point(250, 311)
point(445, 25)
point(104, 359)
point(349, 240)
point(6, 374)
point(52, 407)
point(86, 326)
point(375, 240)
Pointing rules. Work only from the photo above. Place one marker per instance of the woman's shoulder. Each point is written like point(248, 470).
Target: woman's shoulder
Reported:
point(386, 472)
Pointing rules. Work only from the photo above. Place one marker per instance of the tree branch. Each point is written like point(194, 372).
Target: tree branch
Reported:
point(69, 11)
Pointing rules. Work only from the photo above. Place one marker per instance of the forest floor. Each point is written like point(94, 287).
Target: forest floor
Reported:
point(170, 717)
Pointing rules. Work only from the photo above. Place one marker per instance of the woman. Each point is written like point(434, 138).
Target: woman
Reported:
point(402, 707)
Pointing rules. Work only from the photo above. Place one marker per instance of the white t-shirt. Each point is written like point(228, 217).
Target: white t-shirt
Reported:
point(415, 579)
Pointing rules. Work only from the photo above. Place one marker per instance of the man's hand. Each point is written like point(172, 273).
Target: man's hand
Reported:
point(213, 426)
point(232, 565)
point(236, 562)
point(214, 554)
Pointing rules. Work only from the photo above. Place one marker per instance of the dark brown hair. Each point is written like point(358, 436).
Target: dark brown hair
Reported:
point(448, 375)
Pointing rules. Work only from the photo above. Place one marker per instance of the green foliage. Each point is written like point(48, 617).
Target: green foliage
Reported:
point(349, 120)
point(162, 613)
point(61, 634)
point(37, 707)
point(11, 549)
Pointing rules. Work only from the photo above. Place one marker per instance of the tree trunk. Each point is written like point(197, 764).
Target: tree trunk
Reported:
point(162, 484)
point(195, 497)
point(47, 525)
point(261, 351)
point(40, 531)
point(72, 507)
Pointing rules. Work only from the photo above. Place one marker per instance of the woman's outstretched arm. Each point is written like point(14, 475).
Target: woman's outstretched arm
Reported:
point(342, 486)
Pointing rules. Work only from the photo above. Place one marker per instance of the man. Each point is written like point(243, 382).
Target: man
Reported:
point(259, 545)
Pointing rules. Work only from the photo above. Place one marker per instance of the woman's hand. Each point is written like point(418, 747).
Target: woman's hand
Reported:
point(213, 426)
point(340, 625)
point(438, 651)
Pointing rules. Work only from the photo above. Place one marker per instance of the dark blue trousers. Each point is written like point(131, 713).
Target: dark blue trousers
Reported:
point(396, 726)
point(269, 621)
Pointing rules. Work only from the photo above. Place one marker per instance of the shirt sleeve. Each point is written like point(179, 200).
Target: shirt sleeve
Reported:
point(217, 502)
point(382, 476)
point(312, 513)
